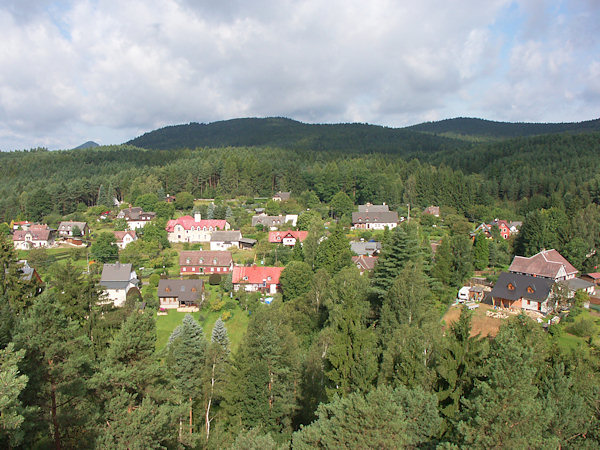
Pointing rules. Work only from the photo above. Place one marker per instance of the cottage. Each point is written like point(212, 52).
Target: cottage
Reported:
point(364, 263)
point(254, 279)
point(66, 229)
point(432, 210)
point(374, 217)
point(546, 264)
point(223, 240)
point(274, 222)
point(35, 237)
point(288, 238)
point(193, 229)
point(117, 279)
point(174, 294)
point(136, 217)
point(205, 262)
point(518, 291)
point(281, 196)
point(124, 238)
point(370, 248)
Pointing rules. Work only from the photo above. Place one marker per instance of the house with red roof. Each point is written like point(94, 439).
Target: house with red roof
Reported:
point(256, 279)
point(125, 238)
point(546, 264)
point(193, 262)
point(288, 238)
point(365, 263)
point(193, 229)
point(34, 237)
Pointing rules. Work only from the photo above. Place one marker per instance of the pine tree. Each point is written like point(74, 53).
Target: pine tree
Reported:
point(442, 269)
point(210, 211)
point(12, 382)
point(333, 253)
point(217, 366)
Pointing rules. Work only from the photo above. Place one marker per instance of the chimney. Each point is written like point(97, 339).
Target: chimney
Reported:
point(197, 217)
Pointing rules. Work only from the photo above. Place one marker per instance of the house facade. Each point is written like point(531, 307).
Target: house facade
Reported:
point(124, 238)
point(374, 217)
point(65, 229)
point(136, 217)
point(518, 291)
point(36, 236)
point(117, 279)
point(193, 229)
point(546, 264)
point(255, 279)
point(274, 222)
point(173, 293)
point(288, 238)
point(192, 262)
point(224, 240)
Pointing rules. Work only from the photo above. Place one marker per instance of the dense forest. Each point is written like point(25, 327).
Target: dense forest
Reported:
point(338, 359)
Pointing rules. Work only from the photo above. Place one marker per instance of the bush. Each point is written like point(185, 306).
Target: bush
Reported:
point(217, 304)
point(154, 279)
point(582, 328)
point(230, 305)
point(214, 279)
point(226, 316)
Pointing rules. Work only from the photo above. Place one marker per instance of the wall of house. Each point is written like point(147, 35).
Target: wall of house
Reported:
point(169, 302)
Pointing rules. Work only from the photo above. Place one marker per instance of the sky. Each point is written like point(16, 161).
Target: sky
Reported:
point(110, 70)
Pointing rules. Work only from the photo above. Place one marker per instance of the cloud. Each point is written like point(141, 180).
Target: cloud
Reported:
point(112, 67)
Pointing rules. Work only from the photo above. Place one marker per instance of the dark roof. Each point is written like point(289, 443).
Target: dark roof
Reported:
point(67, 226)
point(247, 241)
point(541, 287)
point(205, 258)
point(225, 236)
point(373, 208)
point(116, 272)
point(576, 284)
point(365, 248)
point(183, 290)
point(283, 195)
point(136, 213)
point(268, 221)
point(375, 217)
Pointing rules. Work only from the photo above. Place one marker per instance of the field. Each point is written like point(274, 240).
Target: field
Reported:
point(481, 323)
point(236, 325)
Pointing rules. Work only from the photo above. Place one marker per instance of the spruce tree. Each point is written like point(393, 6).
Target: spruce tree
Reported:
point(12, 382)
point(217, 364)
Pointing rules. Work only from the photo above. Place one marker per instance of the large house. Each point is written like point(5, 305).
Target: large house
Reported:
point(65, 229)
point(288, 238)
point(374, 217)
point(223, 240)
point(124, 238)
point(546, 264)
point(35, 237)
point(136, 217)
point(117, 279)
point(519, 291)
point(194, 229)
point(193, 262)
point(274, 222)
point(173, 294)
point(254, 278)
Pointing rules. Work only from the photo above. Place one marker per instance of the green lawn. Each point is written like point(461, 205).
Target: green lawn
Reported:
point(236, 325)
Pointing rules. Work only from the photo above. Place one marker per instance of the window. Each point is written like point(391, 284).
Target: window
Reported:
point(530, 289)
point(193, 289)
point(511, 287)
point(187, 261)
point(183, 269)
point(201, 260)
point(245, 278)
point(269, 278)
point(167, 289)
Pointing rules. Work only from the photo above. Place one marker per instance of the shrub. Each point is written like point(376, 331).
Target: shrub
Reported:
point(226, 316)
point(230, 305)
point(214, 279)
point(217, 304)
point(154, 279)
point(582, 328)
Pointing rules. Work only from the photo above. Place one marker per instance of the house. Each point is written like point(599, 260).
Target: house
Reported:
point(65, 229)
point(432, 210)
point(125, 238)
point(204, 262)
point(174, 294)
point(505, 228)
point(514, 226)
point(281, 196)
point(288, 238)
point(36, 236)
point(136, 217)
point(254, 278)
point(28, 273)
point(223, 240)
point(374, 217)
point(578, 284)
point(370, 248)
point(364, 263)
point(193, 229)
point(274, 222)
point(117, 279)
point(519, 291)
point(21, 225)
point(592, 278)
point(546, 264)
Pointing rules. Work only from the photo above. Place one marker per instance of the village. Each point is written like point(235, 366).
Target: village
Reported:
point(208, 264)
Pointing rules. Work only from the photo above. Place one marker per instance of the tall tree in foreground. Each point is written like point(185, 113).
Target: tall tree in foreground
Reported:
point(217, 364)
point(12, 382)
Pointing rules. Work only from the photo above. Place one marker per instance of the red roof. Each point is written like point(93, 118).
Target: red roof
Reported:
point(256, 275)
point(38, 234)
point(278, 236)
point(546, 263)
point(594, 275)
point(187, 222)
point(121, 234)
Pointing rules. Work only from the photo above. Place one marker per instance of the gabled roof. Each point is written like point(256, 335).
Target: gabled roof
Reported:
point(278, 236)
point(365, 262)
point(37, 234)
point(546, 263)
point(136, 213)
point(205, 258)
point(365, 248)
point(225, 236)
point(269, 221)
point(183, 290)
point(594, 275)
point(434, 210)
point(373, 208)
point(256, 275)
point(116, 272)
point(375, 217)
point(283, 195)
point(577, 284)
point(523, 286)
point(187, 222)
point(67, 226)
point(119, 235)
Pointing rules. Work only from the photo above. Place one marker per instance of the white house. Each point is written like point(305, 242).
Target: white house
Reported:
point(125, 238)
point(117, 279)
point(193, 229)
point(223, 240)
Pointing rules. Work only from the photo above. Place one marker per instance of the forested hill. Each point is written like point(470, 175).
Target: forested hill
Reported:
point(488, 129)
point(290, 134)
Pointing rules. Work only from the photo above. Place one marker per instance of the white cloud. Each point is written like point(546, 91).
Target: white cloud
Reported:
point(113, 67)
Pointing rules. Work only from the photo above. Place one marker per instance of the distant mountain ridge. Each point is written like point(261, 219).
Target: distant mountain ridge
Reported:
point(88, 144)
point(356, 137)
